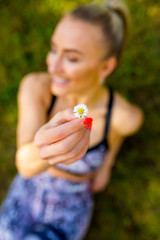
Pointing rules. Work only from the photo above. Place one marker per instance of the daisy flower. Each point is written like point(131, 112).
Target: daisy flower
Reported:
point(80, 111)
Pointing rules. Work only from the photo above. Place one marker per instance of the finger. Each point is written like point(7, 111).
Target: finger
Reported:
point(55, 134)
point(77, 153)
point(80, 150)
point(62, 147)
point(61, 160)
point(61, 117)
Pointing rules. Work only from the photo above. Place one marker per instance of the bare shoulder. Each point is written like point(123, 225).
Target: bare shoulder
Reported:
point(36, 85)
point(127, 118)
point(33, 101)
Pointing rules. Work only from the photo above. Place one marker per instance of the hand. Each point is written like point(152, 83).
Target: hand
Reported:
point(100, 180)
point(64, 139)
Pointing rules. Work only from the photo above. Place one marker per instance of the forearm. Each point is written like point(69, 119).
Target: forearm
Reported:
point(28, 161)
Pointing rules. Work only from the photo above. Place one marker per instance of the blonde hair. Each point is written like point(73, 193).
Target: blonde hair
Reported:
point(113, 18)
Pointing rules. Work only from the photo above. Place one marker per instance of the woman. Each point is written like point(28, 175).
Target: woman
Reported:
point(60, 161)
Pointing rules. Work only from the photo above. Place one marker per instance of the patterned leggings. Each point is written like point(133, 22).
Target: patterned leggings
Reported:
point(46, 208)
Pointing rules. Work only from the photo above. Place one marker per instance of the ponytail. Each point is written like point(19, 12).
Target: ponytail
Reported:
point(113, 19)
point(119, 9)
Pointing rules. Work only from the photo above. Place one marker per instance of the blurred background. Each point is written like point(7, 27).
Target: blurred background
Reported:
point(129, 208)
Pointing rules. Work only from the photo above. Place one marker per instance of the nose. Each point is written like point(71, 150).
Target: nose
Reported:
point(54, 63)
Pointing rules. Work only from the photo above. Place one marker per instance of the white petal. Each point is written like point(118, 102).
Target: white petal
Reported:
point(79, 115)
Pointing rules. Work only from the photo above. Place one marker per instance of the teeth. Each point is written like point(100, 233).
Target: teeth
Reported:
point(57, 79)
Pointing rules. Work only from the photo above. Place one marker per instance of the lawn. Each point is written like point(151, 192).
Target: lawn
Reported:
point(129, 208)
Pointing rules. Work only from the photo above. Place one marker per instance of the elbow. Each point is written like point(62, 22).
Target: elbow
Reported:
point(28, 162)
point(23, 166)
point(25, 173)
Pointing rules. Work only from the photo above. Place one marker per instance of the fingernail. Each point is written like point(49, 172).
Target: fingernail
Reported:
point(87, 122)
point(89, 126)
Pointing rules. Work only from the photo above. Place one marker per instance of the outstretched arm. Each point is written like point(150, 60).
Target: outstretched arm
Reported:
point(40, 143)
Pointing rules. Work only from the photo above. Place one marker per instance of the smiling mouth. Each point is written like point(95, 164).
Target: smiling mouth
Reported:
point(60, 81)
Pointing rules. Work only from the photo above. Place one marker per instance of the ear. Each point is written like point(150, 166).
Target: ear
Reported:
point(108, 67)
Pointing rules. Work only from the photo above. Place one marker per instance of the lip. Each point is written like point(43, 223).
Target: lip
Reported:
point(60, 82)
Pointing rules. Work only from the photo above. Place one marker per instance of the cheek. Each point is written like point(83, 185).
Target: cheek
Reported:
point(48, 58)
point(50, 61)
point(81, 72)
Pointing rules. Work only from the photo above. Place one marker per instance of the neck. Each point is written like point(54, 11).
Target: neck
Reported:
point(86, 97)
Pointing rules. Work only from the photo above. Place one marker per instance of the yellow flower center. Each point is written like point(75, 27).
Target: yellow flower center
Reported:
point(80, 110)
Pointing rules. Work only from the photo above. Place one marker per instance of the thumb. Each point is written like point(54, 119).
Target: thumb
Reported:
point(62, 117)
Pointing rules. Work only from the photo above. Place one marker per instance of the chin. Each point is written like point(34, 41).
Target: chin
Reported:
point(59, 92)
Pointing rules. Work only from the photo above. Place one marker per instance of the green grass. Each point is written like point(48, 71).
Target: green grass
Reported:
point(129, 208)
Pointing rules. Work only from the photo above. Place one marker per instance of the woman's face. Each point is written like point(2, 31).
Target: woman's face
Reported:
point(74, 61)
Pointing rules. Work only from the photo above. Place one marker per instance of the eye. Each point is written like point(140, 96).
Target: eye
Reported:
point(72, 59)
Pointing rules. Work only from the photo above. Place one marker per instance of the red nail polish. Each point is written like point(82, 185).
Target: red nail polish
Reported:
point(87, 122)
point(89, 126)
